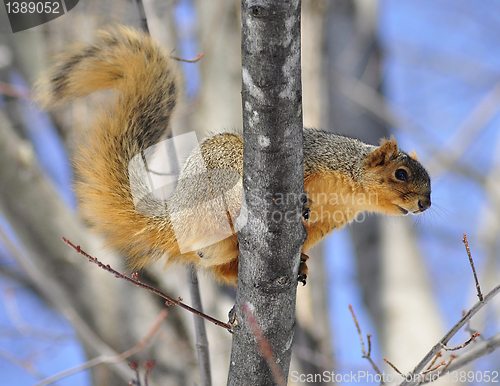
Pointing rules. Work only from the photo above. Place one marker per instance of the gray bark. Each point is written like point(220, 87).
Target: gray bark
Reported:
point(271, 239)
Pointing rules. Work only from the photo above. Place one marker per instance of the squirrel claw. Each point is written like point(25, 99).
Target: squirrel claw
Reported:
point(303, 270)
point(306, 212)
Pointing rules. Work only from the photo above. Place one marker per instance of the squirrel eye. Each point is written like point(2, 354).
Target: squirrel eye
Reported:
point(401, 175)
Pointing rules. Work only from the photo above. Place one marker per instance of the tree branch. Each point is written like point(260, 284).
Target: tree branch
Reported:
point(367, 354)
point(108, 359)
point(412, 379)
point(200, 331)
point(20, 199)
point(135, 280)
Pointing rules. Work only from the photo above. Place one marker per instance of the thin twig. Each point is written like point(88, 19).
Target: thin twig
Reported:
point(135, 367)
point(438, 355)
point(479, 350)
point(469, 328)
point(434, 368)
point(23, 364)
point(469, 341)
point(479, 294)
point(264, 345)
point(359, 330)
point(148, 366)
point(135, 281)
point(452, 357)
point(393, 367)
point(451, 333)
point(198, 57)
point(15, 91)
point(109, 359)
point(200, 331)
point(142, 16)
point(366, 355)
point(23, 327)
point(456, 362)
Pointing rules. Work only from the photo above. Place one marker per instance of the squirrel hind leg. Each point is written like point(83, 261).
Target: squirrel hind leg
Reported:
point(227, 273)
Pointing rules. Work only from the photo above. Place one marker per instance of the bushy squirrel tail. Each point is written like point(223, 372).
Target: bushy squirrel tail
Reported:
point(119, 58)
point(138, 117)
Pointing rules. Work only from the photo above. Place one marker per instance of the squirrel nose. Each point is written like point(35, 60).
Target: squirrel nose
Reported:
point(424, 204)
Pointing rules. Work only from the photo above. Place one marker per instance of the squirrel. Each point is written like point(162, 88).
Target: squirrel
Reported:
point(342, 176)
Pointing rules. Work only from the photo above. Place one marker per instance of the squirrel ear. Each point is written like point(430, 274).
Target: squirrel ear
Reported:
point(382, 155)
point(414, 155)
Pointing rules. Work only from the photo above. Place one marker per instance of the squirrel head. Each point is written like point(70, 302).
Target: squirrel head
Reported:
point(401, 183)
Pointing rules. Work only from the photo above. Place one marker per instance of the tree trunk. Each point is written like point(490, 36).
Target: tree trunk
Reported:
point(273, 233)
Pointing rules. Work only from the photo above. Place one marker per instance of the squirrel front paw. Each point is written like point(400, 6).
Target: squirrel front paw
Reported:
point(303, 270)
point(306, 212)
